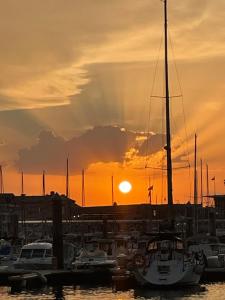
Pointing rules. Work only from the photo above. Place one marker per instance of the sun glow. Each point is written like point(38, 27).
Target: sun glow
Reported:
point(125, 187)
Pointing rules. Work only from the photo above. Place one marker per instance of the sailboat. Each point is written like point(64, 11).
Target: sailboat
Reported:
point(166, 261)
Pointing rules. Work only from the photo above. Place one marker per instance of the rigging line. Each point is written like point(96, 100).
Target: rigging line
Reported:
point(189, 177)
point(163, 97)
point(181, 91)
point(184, 116)
point(156, 66)
point(152, 88)
point(162, 169)
point(162, 143)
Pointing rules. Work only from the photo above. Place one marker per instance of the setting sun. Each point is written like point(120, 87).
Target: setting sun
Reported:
point(125, 187)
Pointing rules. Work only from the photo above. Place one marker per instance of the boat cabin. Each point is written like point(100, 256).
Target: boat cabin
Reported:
point(38, 255)
point(165, 245)
point(36, 250)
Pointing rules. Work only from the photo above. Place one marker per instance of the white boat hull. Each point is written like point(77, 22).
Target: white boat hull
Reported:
point(172, 274)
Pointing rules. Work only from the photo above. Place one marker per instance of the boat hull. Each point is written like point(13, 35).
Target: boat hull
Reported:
point(176, 276)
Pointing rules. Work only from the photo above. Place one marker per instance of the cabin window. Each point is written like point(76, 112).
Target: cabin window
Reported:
point(141, 245)
point(121, 243)
point(221, 249)
point(214, 247)
point(180, 245)
point(48, 253)
point(165, 245)
point(152, 246)
point(38, 252)
point(26, 253)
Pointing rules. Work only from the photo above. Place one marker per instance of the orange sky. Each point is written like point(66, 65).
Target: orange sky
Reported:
point(75, 65)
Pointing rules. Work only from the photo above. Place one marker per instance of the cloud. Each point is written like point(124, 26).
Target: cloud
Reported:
point(153, 144)
point(99, 144)
point(47, 46)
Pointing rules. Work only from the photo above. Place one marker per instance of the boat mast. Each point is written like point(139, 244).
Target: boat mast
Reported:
point(201, 184)
point(207, 183)
point(83, 190)
point(112, 181)
point(168, 137)
point(43, 183)
point(195, 190)
point(1, 181)
point(195, 175)
point(67, 177)
point(22, 184)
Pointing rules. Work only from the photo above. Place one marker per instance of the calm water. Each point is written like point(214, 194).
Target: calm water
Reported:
point(215, 291)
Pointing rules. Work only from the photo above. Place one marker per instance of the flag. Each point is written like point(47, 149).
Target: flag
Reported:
point(213, 178)
point(149, 190)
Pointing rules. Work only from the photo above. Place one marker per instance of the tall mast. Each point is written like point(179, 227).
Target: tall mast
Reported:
point(83, 189)
point(201, 184)
point(168, 138)
point(195, 174)
point(195, 190)
point(43, 183)
point(1, 181)
point(22, 186)
point(112, 181)
point(207, 183)
point(67, 177)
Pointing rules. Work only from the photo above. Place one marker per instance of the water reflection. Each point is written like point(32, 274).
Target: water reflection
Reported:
point(170, 294)
point(58, 293)
point(96, 292)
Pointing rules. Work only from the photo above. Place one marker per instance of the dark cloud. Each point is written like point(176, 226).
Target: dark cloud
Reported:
point(47, 154)
point(100, 144)
point(153, 144)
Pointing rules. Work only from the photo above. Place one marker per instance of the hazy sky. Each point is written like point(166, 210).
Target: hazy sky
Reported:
point(76, 79)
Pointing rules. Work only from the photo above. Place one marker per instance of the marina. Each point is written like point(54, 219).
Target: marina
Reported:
point(167, 241)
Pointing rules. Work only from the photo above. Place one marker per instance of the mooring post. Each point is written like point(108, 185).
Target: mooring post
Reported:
point(105, 227)
point(212, 223)
point(57, 230)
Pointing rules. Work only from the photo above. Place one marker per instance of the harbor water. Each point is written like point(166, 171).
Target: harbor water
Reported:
point(213, 291)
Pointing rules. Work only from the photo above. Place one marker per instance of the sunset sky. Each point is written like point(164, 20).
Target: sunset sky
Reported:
point(76, 81)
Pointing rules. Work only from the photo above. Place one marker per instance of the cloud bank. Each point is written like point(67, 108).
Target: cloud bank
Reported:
point(100, 144)
point(46, 46)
